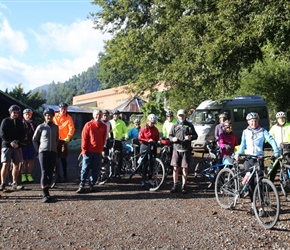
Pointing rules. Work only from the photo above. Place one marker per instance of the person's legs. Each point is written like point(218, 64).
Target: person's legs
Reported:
point(96, 164)
point(86, 164)
point(6, 154)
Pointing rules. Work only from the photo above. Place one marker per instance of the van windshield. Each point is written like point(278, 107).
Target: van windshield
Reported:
point(205, 116)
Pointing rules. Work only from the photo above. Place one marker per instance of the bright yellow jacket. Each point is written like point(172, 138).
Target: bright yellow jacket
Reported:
point(65, 125)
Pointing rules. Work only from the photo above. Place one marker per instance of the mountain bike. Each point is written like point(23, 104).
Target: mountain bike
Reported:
point(166, 154)
point(229, 188)
point(134, 166)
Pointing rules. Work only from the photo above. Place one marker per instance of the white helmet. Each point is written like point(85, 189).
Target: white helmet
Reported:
point(152, 118)
point(280, 114)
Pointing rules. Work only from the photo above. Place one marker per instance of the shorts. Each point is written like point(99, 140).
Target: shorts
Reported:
point(62, 149)
point(180, 159)
point(14, 154)
point(28, 152)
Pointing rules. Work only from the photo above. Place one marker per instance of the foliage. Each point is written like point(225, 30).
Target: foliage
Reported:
point(85, 82)
point(34, 100)
point(198, 48)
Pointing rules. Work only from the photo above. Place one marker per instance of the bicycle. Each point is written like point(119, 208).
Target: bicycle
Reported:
point(133, 166)
point(165, 155)
point(229, 188)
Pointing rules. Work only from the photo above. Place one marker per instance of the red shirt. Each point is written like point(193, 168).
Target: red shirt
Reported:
point(94, 136)
point(147, 133)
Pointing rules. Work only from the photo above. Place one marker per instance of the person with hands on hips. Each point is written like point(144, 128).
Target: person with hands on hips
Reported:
point(253, 138)
point(181, 134)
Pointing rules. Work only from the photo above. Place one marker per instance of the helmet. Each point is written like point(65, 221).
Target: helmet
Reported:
point(63, 105)
point(227, 123)
point(14, 108)
point(48, 111)
point(116, 112)
point(280, 114)
point(106, 112)
point(222, 116)
point(169, 113)
point(25, 111)
point(137, 121)
point(152, 118)
point(252, 115)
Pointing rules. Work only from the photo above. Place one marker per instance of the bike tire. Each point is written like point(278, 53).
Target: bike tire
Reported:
point(158, 175)
point(166, 159)
point(105, 172)
point(79, 164)
point(269, 214)
point(225, 188)
point(284, 182)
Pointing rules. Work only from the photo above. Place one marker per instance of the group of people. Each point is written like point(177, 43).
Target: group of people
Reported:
point(252, 141)
point(23, 141)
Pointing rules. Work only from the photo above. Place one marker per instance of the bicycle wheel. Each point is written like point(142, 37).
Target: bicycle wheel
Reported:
point(79, 164)
point(266, 207)
point(225, 188)
point(284, 183)
point(158, 174)
point(105, 171)
point(166, 159)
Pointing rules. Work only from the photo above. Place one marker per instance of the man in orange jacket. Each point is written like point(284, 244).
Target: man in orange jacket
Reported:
point(66, 131)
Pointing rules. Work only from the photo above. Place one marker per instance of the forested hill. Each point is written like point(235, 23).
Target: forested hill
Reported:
point(83, 83)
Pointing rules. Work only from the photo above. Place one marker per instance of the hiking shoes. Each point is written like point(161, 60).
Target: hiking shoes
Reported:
point(174, 189)
point(23, 178)
point(2, 187)
point(80, 190)
point(16, 187)
point(183, 190)
point(30, 178)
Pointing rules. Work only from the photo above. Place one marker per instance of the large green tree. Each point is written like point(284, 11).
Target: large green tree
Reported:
point(199, 46)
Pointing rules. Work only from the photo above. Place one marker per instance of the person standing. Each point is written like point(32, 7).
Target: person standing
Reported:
point(227, 140)
point(134, 132)
point(45, 140)
point(148, 137)
point(167, 125)
point(28, 150)
point(281, 133)
point(181, 135)
point(12, 134)
point(94, 136)
point(219, 127)
point(106, 119)
point(66, 131)
point(253, 138)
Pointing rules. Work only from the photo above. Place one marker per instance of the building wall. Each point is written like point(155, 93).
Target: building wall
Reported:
point(104, 99)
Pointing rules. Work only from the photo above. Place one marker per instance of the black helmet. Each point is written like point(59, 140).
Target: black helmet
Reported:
point(14, 108)
point(106, 112)
point(63, 105)
point(169, 113)
point(48, 111)
point(27, 111)
point(116, 112)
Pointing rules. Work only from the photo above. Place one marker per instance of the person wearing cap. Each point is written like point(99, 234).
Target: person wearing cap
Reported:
point(28, 150)
point(66, 131)
point(134, 132)
point(167, 125)
point(253, 138)
point(12, 134)
point(181, 135)
point(106, 119)
point(45, 140)
point(281, 133)
point(219, 127)
point(94, 136)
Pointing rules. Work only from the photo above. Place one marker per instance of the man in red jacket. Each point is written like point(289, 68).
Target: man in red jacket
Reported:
point(94, 136)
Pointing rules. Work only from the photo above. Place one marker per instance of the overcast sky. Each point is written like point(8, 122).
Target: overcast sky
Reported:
point(46, 40)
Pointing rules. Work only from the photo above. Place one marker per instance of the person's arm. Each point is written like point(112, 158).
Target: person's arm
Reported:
point(111, 131)
point(36, 139)
point(242, 146)
point(71, 128)
point(85, 138)
point(125, 130)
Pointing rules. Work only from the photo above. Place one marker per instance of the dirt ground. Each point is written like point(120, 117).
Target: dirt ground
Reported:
point(124, 215)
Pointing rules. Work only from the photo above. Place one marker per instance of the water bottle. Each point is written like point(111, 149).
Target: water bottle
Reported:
point(246, 178)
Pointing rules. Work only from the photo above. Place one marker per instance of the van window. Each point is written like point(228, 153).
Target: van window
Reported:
point(241, 113)
point(205, 116)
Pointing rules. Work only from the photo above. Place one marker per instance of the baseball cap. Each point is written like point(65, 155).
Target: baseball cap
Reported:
point(181, 112)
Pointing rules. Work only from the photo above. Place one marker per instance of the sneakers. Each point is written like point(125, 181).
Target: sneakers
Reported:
point(174, 189)
point(23, 178)
point(251, 211)
point(152, 183)
point(2, 187)
point(16, 187)
point(261, 212)
point(29, 178)
point(46, 199)
point(183, 190)
point(80, 190)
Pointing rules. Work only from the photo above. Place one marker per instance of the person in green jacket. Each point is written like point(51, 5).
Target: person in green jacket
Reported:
point(167, 125)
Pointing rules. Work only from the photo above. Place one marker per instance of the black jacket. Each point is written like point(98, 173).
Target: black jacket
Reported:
point(10, 130)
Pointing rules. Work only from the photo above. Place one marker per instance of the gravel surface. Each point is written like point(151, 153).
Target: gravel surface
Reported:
point(124, 215)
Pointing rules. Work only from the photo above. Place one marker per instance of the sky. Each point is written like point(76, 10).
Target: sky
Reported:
point(42, 41)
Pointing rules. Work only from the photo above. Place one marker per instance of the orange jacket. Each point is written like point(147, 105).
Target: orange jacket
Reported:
point(65, 125)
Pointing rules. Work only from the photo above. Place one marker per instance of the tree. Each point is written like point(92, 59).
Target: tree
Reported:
point(202, 46)
point(34, 100)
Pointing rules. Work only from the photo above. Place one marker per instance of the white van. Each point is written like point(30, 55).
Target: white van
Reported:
point(205, 117)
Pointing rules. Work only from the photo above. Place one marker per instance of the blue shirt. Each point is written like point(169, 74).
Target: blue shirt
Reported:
point(133, 133)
